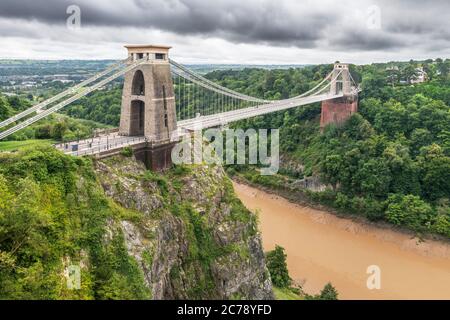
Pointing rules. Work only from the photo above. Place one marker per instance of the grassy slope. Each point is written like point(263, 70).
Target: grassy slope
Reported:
point(286, 294)
point(18, 145)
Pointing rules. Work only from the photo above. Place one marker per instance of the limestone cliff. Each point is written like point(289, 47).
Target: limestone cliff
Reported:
point(77, 228)
point(190, 236)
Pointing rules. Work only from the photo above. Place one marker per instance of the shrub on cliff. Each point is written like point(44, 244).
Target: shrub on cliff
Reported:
point(127, 152)
point(328, 293)
point(276, 263)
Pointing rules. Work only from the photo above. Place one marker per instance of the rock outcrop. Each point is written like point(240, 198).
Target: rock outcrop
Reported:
point(189, 234)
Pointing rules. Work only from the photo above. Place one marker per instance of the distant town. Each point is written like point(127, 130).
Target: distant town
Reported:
point(33, 75)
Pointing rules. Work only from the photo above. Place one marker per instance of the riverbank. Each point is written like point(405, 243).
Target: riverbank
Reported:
point(304, 199)
point(323, 247)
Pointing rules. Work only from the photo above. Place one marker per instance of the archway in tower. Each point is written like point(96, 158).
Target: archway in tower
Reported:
point(137, 118)
point(138, 86)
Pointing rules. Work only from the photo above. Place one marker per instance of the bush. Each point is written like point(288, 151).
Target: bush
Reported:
point(375, 210)
point(371, 208)
point(181, 170)
point(328, 293)
point(442, 222)
point(160, 180)
point(442, 225)
point(410, 211)
point(342, 201)
point(127, 152)
point(276, 263)
point(326, 197)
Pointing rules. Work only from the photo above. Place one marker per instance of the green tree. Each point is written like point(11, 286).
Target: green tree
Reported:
point(276, 263)
point(5, 109)
point(374, 177)
point(369, 108)
point(442, 221)
point(436, 173)
point(372, 85)
point(358, 128)
point(59, 129)
point(420, 138)
point(410, 211)
point(409, 72)
point(393, 76)
point(393, 119)
point(331, 168)
point(403, 171)
point(328, 292)
point(429, 70)
point(443, 69)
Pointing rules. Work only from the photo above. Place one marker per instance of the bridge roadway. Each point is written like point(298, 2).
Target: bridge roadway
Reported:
point(102, 144)
point(220, 119)
point(109, 143)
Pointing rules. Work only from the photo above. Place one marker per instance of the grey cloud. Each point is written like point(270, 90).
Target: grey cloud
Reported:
point(237, 21)
point(306, 24)
point(365, 39)
point(415, 17)
point(266, 22)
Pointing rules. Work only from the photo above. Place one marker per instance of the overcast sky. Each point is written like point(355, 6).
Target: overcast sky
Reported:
point(229, 31)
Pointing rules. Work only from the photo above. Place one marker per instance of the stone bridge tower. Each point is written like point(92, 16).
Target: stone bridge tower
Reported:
point(338, 110)
point(148, 104)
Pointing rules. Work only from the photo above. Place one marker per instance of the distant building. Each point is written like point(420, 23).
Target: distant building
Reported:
point(392, 68)
point(60, 76)
point(421, 76)
point(62, 80)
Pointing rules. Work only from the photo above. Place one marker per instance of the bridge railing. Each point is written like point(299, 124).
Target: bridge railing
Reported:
point(94, 149)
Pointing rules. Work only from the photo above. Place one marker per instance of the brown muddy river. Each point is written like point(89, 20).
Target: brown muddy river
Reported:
point(322, 247)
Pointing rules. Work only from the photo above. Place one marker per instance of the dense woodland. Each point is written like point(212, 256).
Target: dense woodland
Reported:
point(56, 127)
point(390, 162)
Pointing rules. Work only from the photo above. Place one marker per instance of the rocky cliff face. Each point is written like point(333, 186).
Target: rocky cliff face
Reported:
point(188, 233)
point(292, 166)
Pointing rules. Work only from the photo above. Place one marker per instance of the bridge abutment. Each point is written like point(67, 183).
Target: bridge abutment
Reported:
point(156, 158)
point(338, 110)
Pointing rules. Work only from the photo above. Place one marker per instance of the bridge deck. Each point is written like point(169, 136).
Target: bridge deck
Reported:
point(103, 143)
point(111, 142)
point(223, 118)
